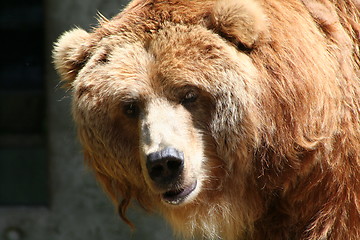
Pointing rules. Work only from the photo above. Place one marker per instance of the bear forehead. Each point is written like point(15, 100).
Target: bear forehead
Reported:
point(177, 39)
point(176, 55)
point(146, 17)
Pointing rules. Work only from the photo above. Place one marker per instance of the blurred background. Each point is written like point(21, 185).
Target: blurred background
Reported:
point(46, 192)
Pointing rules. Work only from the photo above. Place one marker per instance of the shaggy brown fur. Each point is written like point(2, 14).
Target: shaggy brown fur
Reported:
point(261, 96)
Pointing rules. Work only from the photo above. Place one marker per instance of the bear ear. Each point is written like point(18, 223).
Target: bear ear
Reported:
point(70, 53)
point(241, 22)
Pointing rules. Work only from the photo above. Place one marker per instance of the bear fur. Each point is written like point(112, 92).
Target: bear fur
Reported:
point(259, 100)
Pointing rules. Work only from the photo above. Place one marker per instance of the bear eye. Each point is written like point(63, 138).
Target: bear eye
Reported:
point(104, 58)
point(131, 110)
point(190, 97)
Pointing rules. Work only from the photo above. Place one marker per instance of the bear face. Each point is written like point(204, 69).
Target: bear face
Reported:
point(155, 98)
point(222, 115)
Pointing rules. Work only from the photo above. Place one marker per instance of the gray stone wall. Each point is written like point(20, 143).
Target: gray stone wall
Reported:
point(78, 209)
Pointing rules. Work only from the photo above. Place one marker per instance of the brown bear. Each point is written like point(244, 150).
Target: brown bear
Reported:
point(234, 119)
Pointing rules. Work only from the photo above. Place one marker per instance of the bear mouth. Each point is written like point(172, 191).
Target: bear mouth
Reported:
point(177, 196)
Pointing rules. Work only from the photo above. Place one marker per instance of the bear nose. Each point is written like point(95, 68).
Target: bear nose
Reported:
point(165, 166)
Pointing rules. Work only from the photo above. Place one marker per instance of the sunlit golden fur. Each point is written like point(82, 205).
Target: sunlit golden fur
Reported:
point(273, 138)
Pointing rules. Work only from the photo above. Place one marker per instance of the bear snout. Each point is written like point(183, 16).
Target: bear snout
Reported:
point(165, 167)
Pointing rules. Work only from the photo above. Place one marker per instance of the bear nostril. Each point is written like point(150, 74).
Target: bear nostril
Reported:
point(156, 171)
point(174, 164)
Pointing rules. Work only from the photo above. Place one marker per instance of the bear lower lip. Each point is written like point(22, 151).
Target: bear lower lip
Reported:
point(177, 196)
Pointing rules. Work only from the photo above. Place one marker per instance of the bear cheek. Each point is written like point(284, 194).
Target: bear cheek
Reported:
point(104, 131)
